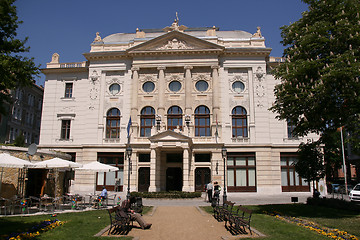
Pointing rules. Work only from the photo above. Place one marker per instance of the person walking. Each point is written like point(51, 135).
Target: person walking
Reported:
point(209, 190)
point(217, 190)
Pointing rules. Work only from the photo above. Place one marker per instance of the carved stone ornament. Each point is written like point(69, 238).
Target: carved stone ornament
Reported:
point(258, 33)
point(148, 78)
point(97, 38)
point(55, 58)
point(175, 44)
point(259, 73)
point(94, 77)
point(93, 93)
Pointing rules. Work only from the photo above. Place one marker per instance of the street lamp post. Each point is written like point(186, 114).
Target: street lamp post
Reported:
point(223, 153)
point(128, 153)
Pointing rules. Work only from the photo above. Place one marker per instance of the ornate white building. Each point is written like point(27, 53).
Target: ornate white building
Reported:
point(189, 93)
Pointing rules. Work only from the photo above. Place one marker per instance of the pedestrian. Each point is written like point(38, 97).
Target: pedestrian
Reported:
point(209, 190)
point(217, 190)
point(104, 193)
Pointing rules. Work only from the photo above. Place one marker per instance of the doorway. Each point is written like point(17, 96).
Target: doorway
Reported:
point(144, 179)
point(202, 177)
point(174, 181)
point(36, 182)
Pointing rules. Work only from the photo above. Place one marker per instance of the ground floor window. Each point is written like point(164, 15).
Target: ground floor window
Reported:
point(241, 172)
point(111, 180)
point(290, 180)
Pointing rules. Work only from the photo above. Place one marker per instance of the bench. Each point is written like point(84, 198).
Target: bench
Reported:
point(220, 212)
point(119, 221)
point(138, 205)
point(239, 220)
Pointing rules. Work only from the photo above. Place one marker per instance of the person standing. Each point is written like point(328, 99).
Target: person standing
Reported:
point(209, 190)
point(217, 190)
point(104, 193)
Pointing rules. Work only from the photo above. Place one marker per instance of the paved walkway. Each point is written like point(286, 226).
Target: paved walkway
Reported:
point(181, 223)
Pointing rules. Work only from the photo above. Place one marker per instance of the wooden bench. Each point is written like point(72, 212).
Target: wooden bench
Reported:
point(119, 221)
point(239, 220)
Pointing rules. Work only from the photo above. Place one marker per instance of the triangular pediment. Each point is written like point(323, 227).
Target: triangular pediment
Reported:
point(169, 136)
point(175, 41)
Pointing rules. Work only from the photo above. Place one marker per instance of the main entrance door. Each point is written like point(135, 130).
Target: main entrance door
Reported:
point(202, 177)
point(174, 181)
point(144, 179)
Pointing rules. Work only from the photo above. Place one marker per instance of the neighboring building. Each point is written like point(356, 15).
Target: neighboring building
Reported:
point(189, 93)
point(24, 115)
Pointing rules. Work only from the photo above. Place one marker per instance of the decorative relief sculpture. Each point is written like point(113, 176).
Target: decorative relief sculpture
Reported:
point(259, 73)
point(93, 93)
point(94, 77)
point(175, 44)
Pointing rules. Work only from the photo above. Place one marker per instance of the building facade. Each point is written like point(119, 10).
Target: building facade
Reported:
point(179, 95)
point(24, 115)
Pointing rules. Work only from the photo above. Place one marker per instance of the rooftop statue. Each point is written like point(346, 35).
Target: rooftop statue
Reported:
point(258, 33)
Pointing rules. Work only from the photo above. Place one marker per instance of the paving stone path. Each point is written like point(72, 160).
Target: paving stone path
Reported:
point(181, 223)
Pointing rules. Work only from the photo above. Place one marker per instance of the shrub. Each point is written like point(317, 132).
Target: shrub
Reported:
point(333, 203)
point(172, 194)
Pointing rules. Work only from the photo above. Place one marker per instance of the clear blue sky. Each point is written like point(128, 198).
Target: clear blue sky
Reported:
point(68, 27)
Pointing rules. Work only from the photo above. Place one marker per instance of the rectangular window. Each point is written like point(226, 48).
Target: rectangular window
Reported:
point(109, 179)
point(144, 157)
point(241, 172)
point(290, 129)
point(68, 90)
point(290, 180)
point(65, 129)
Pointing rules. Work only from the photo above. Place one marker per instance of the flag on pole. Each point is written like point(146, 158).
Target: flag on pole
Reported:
point(128, 128)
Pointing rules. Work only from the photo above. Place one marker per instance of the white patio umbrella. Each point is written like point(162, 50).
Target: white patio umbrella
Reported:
point(8, 161)
point(97, 167)
point(56, 163)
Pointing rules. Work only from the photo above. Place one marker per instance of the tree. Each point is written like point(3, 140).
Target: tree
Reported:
point(309, 164)
point(20, 140)
point(15, 70)
point(320, 87)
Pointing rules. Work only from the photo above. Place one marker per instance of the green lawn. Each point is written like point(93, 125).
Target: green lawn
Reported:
point(79, 225)
point(84, 225)
point(278, 229)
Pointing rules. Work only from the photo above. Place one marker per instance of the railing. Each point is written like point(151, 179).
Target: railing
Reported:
point(277, 59)
point(66, 65)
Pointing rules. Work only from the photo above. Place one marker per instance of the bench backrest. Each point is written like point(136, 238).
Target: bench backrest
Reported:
point(245, 212)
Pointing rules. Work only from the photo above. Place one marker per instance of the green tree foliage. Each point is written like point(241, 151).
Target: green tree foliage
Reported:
point(319, 89)
point(20, 140)
point(15, 70)
point(309, 164)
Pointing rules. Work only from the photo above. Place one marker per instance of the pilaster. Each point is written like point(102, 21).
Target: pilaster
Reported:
point(188, 84)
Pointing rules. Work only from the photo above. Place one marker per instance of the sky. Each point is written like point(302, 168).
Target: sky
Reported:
point(68, 27)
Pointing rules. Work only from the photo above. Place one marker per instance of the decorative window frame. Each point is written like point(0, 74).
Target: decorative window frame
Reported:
point(235, 79)
point(145, 79)
point(175, 78)
point(114, 81)
point(66, 116)
point(205, 78)
point(72, 80)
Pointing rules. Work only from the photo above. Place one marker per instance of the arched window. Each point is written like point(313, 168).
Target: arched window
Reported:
point(239, 122)
point(202, 121)
point(174, 118)
point(147, 119)
point(113, 123)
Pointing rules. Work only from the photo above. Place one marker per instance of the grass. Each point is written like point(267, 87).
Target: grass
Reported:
point(79, 225)
point(278, 229)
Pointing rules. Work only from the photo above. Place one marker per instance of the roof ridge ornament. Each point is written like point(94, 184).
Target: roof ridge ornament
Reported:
point(97, 38)
point(258, 33)
point(175, 26)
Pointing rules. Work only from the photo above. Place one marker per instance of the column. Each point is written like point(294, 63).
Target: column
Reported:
point(188, 84)
point(252, 107)
point(162, 84)
point(134, 99)
point(186, 170)
point(152, 187)
point(215, 98)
